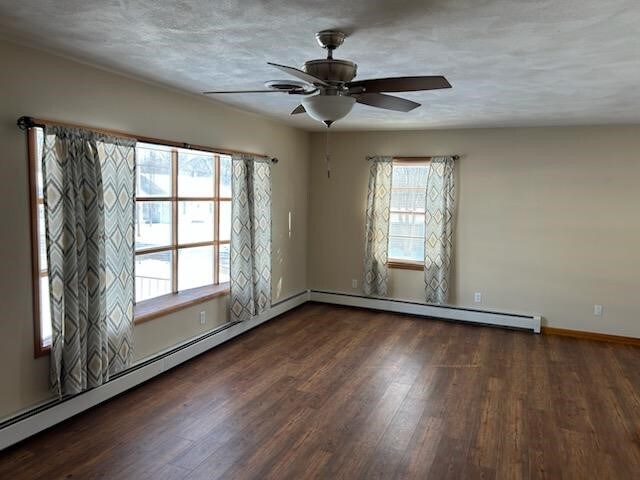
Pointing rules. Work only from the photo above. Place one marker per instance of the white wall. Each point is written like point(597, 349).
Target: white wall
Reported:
point(43, 85)
point(548, 219)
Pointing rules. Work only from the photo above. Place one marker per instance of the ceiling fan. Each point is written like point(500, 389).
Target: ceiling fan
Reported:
point(329, 92)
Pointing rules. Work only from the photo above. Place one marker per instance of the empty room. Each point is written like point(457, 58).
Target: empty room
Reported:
point(320, 240)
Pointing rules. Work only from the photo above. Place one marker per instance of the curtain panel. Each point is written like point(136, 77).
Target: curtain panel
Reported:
point(376, 271)
point(88, 186)
point(439, 228)
point(250, 263)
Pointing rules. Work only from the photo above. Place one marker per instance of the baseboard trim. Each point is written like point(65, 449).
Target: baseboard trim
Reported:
point(600, 337)
point(40, 418)
point(445, 312)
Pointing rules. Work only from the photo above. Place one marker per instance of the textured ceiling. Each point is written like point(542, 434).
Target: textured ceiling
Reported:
point(527, 62)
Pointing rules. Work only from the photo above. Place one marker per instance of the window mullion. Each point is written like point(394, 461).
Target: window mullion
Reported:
point(174, 220)
point(216, 221)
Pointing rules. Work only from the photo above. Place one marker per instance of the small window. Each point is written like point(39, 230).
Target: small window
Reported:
point(407, 216)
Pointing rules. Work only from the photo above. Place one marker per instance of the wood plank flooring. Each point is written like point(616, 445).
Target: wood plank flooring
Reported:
point(332, 392)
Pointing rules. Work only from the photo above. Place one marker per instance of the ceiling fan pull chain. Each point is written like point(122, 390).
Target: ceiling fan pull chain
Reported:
point(326, 153)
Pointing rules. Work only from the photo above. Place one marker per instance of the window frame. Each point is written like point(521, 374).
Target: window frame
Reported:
point(400, 263)
point(40, 349)
point(175, 300)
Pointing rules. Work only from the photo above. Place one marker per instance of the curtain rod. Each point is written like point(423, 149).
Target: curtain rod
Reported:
point(417, 159)
point(24, 123)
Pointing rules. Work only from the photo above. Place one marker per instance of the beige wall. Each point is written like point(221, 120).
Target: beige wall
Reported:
point(548, 219)
point(39, 84)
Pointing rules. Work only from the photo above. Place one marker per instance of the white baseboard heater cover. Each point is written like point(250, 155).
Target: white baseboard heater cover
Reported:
point(510, 320)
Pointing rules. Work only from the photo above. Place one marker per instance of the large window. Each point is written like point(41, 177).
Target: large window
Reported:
point(182, 230)
point(182, 220)
point(407, 216)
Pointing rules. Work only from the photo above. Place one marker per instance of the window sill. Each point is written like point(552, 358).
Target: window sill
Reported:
point(159, 306)
point(42, 351)
point(405, 265)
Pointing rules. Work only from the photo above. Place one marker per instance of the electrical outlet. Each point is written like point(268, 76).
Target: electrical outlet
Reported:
point(354, 283)
point(477, 297)
point(597, 310)
point(203, 317)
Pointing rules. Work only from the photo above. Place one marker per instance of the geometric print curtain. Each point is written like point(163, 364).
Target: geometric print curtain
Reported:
point(88, 185)
point(250, 262)
point(117, 158)
point(376, 272)
point(439, 228)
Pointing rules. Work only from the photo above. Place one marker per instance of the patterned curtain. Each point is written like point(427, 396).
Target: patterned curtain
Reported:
point(250, 266)
point(376, 272)
point(439, 226)
point(88, 184)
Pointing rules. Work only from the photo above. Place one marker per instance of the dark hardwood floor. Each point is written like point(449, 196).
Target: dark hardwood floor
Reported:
point(330, 392)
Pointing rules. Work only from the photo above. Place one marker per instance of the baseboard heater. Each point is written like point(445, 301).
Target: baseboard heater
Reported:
point(460, 314)
point(40, 418)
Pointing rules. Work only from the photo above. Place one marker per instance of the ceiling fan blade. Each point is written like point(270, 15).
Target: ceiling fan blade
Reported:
point(400, 84)
point(216, 92)
point(298, 109)
point(388, 102)
point(300, 74)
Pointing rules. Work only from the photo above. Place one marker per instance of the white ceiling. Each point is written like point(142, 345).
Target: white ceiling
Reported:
point(511, 62)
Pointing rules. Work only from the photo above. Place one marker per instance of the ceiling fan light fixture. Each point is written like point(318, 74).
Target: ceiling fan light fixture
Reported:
point(328, 108)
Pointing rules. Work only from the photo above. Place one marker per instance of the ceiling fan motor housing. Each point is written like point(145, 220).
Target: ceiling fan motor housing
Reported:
point(330, 70)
